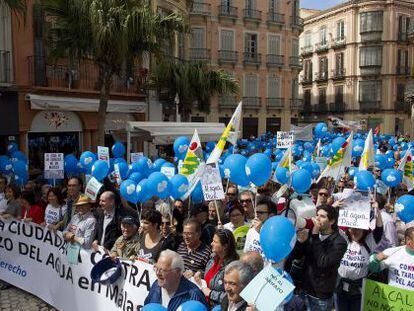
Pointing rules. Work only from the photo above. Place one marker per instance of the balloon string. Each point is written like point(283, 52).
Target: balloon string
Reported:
point(263, 284)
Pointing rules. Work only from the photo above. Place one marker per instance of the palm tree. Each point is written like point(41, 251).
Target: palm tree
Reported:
point(192, 82)
point(19, 6)
point(108, 32)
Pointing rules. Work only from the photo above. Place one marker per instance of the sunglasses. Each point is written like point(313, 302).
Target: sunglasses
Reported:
point(323, 194)
point(245, 201)
point(231, 194)
point(261, 212)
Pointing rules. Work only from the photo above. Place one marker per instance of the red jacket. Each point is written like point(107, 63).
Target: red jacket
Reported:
point(35, 212)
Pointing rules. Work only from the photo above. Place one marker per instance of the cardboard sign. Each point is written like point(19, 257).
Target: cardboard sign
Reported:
point(211, 183)
point(117, 174)
point(356, 211)
point(135, 156)
point(285, 139)
point(168, 171)
point(379, 296)
point(103, 154)
point(267, 290)
point(92, 188)
point(54, 166)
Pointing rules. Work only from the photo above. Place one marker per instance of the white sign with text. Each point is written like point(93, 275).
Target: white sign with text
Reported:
point(285, 139)
point(211, 183)
point(54, 166)
point(355, 213)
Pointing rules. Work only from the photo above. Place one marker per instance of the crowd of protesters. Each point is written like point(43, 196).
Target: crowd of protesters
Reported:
point(196, 255)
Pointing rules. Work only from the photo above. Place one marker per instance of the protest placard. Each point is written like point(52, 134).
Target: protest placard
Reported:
point(321, 161)
point(135, 156)
point(355, 213)
point(54, 166)
point(92, 188)
point(285, 139)
point(117, 174)
point(103, 154)
point(379, 296)
point(168, 171)
point(211, 183)
point(267, 290)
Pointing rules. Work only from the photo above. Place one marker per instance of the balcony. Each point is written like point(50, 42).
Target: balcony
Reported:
point(306, 79)
point(411, 32)
point(275, 18)
point(227, 102)
point(322, 47)
point(275, 103)
point(402, 71)
point(321, 77)
point(5, 67)
point(369, 106)
point(227, 11)
point(306, 51)
point(227, 57)
point(401, 105)
point(338, 43)
point(199, 54)
point(294, 62)
point(200, 9)
point(370, 70)
point(296, 103)
point(252, 15)
point(402, 37)
point(252, 58)
point(273, 60)
point(338, 106)
point(296, 22)
point(83, 76)
point(251, 102)
point(338, 73)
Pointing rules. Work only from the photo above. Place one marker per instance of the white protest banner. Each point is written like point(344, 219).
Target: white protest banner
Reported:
point(54, 166)
point(34, 259)
point(135, 156)
point(355, 213)
point(117, 174)
point(168, 171)
point(103, 154)
point(92, 188)
point(267, 290)
point(211, 183)
point(285, 139)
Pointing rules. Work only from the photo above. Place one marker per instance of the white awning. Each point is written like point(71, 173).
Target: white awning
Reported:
point(167, 132)
point(41, 102)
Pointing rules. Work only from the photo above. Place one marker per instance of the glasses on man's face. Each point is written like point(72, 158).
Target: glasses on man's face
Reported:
point(323, 194)
point(262, 212)
point(245, 201)
point(166, 223)
point(188, 233)
point(72, 185)
point(231, 194)
point(178, 206)
point(162, 271)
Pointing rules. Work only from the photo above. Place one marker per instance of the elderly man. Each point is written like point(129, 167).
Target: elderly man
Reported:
point(127, 245)
point(81, 228)
point(171, 289)
point(246, 200)
point(236, 276)
point(74, 191)
point(254, 260)
point(108, 218)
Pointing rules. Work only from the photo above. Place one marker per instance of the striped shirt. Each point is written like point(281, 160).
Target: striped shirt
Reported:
point(195, 260)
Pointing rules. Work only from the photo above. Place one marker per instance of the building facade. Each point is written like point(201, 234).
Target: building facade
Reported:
point(257, 42)
point(357, 60)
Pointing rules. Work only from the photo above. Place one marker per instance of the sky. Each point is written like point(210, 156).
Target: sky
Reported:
point(319, 4)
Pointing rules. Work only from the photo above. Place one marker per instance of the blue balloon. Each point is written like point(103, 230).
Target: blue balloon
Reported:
point(357, 147)
point(158, 184)
point(100, 169)
point(364, 180)
point(210, 146)
point(123, 170)
point(143, 193)
point(178, 186)
point(277, 238)
point(12, 147)
point(119, 160)
point(268, 152)
point(192, 305)
point(181, 145)
point(307, 166)
point(71, 165)
point(128, 190)
point(282, 175)
point(144, 166)
point(5, 165)
point(20, 168)
point(352, 171)
point(87, 159)
point(301, 181)
point(390, 162)
point(118, 150)
point(21, 180)
point(405, 208)
point(258, 168)
point(234, 168)
point(197, 194)
point(316, 170)
point(321, 130)
point(158, 164)
point(136, 176)
point(216, 308)
point(380, 161)
point(153, 307)
point(18, 155)
point(391, 177)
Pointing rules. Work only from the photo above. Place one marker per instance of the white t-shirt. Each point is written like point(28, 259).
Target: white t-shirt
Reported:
point(389, 237)
point(3, 203)
point(253, 242)
point(354, 264)
point(54, 214)
point(401, 267)
point(165, 297)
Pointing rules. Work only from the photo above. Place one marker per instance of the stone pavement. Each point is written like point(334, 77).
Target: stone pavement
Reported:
point(15, 299)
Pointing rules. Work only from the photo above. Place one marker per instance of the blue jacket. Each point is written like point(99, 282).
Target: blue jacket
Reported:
point(186, 291)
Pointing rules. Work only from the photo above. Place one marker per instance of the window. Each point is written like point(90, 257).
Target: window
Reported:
point(308, 72)
point(197, 119)
point(273, 44)
point(250, 126)
point(5, 28)
point(198, 38)
point(340, 30)
point(371, 22)
point(322, 98)
point(250, 43)
point(402, 58)
point(227, 40)
point(250, 85)
point(322, 36)
point(308, 39)
point(273, 125)
point(400, 92)
point(307, 98)
point(323, 67)
point(224, 120)
point(339, 61)
point(370, 91)
point(339, 94)
point(274, 5)
point(403, 24)
point(295, 89)
point(250, 4)
point(295, 47)
point(370, 56)
point(274, 87)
